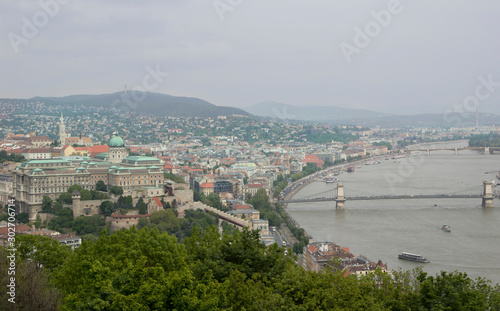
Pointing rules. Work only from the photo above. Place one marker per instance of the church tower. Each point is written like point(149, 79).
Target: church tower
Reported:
point(62, 131)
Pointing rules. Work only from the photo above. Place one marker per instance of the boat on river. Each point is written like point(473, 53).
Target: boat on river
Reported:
point(446, 228)
point(413, 257)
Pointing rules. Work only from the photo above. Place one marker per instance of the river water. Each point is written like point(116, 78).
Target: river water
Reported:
point(381, 229)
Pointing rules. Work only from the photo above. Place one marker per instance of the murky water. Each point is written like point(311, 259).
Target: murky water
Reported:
point(381, 229)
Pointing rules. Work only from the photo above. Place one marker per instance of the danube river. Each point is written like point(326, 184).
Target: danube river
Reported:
point(381, 229)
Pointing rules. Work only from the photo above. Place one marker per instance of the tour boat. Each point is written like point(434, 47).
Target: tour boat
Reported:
point(413, 257)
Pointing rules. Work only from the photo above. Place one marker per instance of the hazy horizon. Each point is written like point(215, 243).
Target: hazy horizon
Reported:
point(398, 57)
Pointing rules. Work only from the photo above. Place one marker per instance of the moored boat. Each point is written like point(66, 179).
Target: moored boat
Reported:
point(413, 257)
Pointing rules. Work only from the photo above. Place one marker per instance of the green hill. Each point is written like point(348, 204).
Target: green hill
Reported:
point(147, 103)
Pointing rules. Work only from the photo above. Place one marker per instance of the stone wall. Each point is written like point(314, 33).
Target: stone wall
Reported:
point(86, 208)
point(119, 222)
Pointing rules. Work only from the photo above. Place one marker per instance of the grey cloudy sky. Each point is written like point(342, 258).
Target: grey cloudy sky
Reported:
point(426, 57)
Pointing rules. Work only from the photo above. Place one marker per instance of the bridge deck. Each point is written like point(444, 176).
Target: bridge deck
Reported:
point(390, 197)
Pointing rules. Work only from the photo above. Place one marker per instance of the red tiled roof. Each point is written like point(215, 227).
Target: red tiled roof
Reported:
point(207, 185)
point(95, 149)
point(157, 201)
point(19, 228)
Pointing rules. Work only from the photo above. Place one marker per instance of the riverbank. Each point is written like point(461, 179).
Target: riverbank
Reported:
point(298, 185)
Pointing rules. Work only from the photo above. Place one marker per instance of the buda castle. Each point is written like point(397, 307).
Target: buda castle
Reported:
point(34, 179)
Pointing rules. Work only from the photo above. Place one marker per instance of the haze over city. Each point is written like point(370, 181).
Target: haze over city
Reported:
point(400, 57)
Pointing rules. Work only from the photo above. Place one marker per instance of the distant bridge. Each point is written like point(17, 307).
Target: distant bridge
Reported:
point(484, 192)
point(487, 150)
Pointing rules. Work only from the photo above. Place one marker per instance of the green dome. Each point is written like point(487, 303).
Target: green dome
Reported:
point(116, 141)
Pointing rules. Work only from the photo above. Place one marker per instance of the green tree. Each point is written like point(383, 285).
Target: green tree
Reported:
point(38, 221)
point(57, 206)
point(22, 217)
point(74, 187)
point(127, 200)
point(143, 222)
point(107, 208)
point(41, 250)
point(32, 286)
point(174, 178)
point(65, 198)
point(166, 220)
point(452, 291)
point(260, 201)
point(241, 251)
point(85, 195)
point(62, 221)
point(101, 186)
point(117, 190)
point(47, 204)
point(142, 207)
point(85, 224)
point(132, 270)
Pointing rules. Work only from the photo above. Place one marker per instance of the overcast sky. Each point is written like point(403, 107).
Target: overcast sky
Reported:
point(411, 57)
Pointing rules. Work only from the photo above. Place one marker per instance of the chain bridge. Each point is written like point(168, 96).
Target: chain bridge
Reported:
point(487, 150)
point(485, 192)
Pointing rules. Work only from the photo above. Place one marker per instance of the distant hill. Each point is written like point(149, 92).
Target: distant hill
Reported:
point(309, 113)
point(338, 115)
point(147, 103)
point(430, 120)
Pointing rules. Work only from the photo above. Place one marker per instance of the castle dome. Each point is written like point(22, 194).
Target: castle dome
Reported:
point(116, 141)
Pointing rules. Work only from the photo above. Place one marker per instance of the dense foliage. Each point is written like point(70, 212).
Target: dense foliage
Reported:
point(149, 270)
point(116, 190)
point(181, 228)
point(10, 157)
point(174, 178)
point(260, 201)
point(383, 143)
point(322, 136)
point(485, 140)
point(279, 184)
point(101, 186)
point(63, 220)
point(213, 200)
point(306, 170)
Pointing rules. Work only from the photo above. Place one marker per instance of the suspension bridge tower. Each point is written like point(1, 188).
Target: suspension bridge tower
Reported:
point(488, 193)
point(340, 201)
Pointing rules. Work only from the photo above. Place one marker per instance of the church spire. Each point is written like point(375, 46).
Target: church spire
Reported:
point(62, 131)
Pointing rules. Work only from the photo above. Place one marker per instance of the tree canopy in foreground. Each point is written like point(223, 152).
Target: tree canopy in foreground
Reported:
point(149, 270)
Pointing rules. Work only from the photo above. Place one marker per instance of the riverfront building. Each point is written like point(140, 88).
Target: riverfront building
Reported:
point(34, 179)
point(319, 255)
